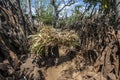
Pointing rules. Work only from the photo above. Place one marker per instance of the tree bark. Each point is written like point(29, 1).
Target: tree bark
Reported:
point(117, 9)
point(29, 12)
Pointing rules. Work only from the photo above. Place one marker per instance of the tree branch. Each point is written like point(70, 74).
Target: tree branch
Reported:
point(68, 4)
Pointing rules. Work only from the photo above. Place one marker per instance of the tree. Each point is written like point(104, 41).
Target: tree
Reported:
point(117, 9)
point(104, 4)
point(109, 7)
point(44, 12)
point(30, 12)
point(56, 4)
point(13, 27)
point(47, 16)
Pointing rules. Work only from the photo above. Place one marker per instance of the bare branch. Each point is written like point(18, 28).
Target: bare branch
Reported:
point(56, 6)
point(67, 4)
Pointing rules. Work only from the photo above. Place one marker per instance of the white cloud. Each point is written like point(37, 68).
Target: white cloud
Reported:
point(33, 11)
point(68, 9)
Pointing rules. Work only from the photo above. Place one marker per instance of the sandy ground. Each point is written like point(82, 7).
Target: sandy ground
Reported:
point(53, 73)
point(63, 72)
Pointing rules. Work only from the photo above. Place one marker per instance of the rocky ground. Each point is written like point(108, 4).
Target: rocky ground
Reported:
point(78, 65)
point(74, 69)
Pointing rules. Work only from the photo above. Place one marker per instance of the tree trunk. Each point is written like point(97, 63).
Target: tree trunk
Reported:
point(117, 9)
point(13, 27)
point(56, 19)
point(29, 12)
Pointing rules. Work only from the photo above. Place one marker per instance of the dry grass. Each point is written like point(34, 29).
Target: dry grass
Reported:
point(48, 36)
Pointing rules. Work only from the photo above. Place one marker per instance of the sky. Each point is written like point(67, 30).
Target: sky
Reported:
point(67, 9)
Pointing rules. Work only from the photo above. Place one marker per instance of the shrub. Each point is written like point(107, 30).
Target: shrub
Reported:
point(49, 36)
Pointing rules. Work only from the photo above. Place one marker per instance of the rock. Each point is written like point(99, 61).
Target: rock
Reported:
point(99, 76)
point(36, 74)
point(77, 76)
point(112, 76)
point(3, 66)
point(1, 77)
point(30, 70)
point(15, 60)
point(118, 35)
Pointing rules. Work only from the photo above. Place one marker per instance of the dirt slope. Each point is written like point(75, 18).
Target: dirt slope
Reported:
point(60, 72)
point(70, 71)
point(53, 73)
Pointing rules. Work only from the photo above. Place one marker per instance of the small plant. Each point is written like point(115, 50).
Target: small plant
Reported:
point(50, 37)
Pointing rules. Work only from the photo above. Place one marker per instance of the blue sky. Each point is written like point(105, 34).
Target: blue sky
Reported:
point(67, 9)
